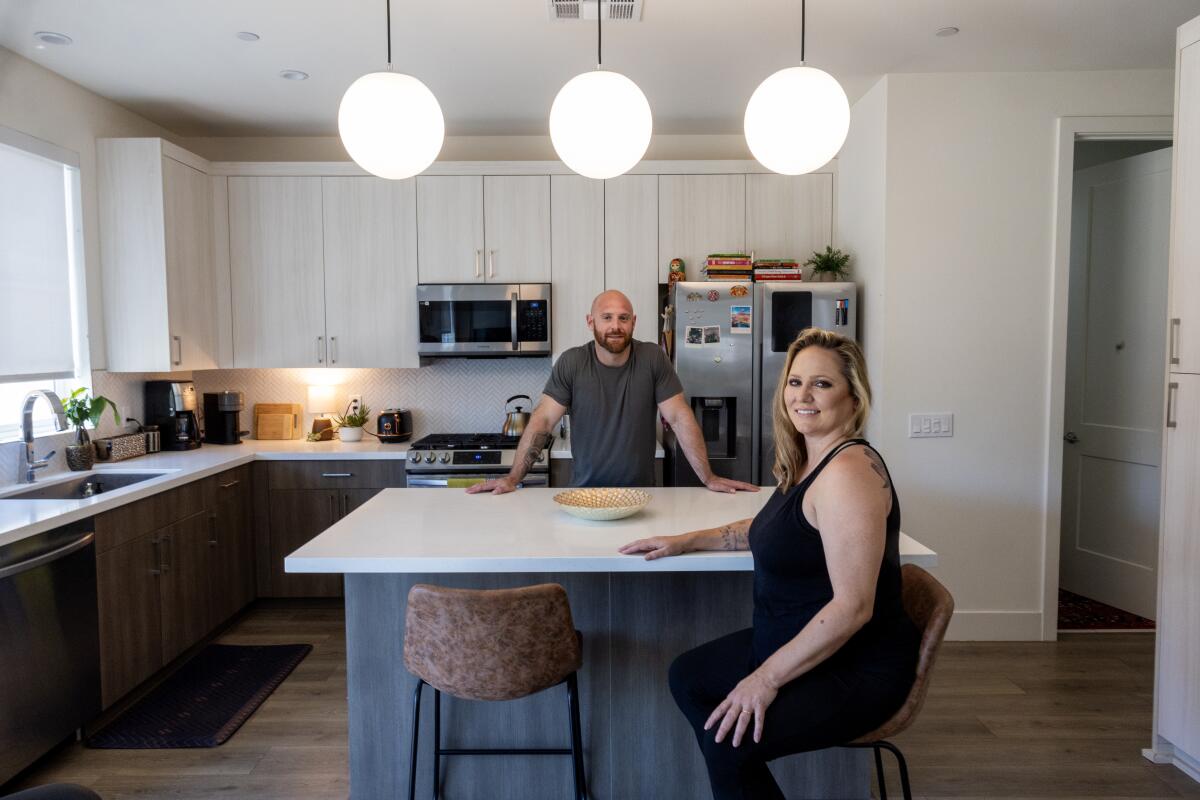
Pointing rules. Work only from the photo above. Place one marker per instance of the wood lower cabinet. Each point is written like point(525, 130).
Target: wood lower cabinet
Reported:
point(298, 515)
point(169, 569)
point(130, 622)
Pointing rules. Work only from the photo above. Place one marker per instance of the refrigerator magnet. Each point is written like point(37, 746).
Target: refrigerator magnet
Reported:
point(712, 334)
point(741, 319)
point(693, 336)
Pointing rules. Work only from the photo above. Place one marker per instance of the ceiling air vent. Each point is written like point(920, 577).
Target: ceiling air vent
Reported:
point(613, 10)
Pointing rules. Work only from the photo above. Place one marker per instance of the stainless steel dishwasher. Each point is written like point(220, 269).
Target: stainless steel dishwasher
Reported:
point(49, 642)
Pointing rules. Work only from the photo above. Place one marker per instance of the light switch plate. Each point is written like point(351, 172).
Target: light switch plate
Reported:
point(928, 426)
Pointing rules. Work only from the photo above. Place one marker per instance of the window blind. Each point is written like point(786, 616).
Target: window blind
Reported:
point(36, 247)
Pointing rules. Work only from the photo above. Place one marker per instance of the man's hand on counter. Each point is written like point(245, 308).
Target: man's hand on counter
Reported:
point(727, 485)
point(495, 486)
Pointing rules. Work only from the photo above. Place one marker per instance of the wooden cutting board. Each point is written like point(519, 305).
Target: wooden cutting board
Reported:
point(278, 420)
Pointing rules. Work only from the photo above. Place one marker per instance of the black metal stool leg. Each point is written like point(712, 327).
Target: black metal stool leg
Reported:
point(437, 742)
point(879, 773)
point(412, 762)
point(576, 737)
point(904, 786)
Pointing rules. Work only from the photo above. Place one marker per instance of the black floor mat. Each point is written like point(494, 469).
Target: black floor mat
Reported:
point(206, 700)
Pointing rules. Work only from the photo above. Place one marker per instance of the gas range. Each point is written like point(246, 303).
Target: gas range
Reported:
point(489, 454)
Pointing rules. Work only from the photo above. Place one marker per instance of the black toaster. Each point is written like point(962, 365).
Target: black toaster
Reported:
point(394, 425)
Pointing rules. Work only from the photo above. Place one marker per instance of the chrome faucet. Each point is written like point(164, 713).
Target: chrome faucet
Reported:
point(60, 422)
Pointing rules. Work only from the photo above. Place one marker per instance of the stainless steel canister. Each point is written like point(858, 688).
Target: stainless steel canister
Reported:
point(153, 439)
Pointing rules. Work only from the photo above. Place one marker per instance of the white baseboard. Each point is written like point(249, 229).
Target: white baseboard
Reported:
point(995, 626)
point(1166, 753)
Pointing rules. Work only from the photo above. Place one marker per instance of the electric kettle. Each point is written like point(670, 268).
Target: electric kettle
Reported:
point(515, 421)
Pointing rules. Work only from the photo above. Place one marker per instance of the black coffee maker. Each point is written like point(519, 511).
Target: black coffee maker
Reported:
point(171, 405)
point(221, 417)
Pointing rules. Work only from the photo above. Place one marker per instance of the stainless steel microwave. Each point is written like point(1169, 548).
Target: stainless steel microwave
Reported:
point(483, 320)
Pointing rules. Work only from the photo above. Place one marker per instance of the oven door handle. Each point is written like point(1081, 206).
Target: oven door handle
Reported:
point(532, 480)
point(516, 345)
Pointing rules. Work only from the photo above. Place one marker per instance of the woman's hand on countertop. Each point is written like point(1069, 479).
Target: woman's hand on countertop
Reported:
point(747, 703)
point(659, 546)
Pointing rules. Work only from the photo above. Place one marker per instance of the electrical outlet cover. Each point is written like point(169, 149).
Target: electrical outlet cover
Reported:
point(355, 403)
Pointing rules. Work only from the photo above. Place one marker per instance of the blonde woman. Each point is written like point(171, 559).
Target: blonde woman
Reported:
point(831, 653)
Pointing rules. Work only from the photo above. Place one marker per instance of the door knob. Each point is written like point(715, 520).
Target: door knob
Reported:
point(1070, 438)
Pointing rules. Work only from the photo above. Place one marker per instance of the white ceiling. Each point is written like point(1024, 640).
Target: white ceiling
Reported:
point(496, 66)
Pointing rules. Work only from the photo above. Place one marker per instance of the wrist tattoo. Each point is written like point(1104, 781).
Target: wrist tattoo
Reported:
point(538, 443)
point(732, 538)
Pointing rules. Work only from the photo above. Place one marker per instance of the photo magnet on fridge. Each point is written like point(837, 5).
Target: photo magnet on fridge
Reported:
point(712, 334)
point(693, 336)
point(741, 319)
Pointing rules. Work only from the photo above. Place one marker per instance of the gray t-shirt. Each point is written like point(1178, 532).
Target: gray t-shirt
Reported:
point(613, 412)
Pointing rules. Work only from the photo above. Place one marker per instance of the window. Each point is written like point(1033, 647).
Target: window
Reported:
point(43, 306)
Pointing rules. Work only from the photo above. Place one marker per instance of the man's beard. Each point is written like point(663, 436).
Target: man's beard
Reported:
point(612, 345)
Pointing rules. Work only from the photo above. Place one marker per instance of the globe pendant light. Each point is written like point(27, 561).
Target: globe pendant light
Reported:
point(390, 123)
point(600, 122)
point(797, 119)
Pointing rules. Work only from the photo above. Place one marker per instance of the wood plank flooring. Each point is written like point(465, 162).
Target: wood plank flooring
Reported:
point(1063, 720)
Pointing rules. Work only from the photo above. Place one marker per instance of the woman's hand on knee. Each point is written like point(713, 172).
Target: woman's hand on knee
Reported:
point(657, 546)
point(746, 704)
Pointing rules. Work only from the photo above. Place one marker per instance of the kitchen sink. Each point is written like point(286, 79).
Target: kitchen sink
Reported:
point(88, 485)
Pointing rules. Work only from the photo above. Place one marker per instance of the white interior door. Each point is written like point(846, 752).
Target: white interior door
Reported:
point(1114, 397)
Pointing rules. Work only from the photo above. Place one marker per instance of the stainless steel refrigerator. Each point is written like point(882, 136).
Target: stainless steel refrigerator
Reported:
point(730, 342)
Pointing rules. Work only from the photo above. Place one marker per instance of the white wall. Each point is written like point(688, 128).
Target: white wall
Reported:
point(969, 191)
point(40, 103)
point(862, 217)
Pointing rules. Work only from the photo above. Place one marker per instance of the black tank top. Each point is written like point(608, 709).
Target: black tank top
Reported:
point(791, 580)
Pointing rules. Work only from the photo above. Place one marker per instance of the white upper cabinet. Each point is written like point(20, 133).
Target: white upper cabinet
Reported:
point(276, 272)
point(1184, 316)
point(156, 252)
point(699, 215)
point(631, 247)
point(450, 229)
point(473, 229)
point(788, 216)
point(370, 271)
point(577, 233)
point(516, 228)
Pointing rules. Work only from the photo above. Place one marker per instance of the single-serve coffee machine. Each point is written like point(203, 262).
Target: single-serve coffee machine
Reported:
point(221, 417)
point(171, 405)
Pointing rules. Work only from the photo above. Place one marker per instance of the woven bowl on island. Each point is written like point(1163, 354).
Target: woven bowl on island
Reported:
point(602, 504)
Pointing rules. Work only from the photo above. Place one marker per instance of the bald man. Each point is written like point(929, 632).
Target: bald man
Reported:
point(611, 387)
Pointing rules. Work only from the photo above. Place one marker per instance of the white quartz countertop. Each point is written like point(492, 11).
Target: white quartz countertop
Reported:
point(21, 518)
point(424, 530)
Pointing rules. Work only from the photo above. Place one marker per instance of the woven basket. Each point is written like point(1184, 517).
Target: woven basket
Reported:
point(602, 504)
point(119, 448)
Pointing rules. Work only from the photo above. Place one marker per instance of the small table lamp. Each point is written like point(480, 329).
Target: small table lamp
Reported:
point(322, 400)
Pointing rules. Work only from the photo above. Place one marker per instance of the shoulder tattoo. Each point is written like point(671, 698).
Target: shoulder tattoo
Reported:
point(877, 465)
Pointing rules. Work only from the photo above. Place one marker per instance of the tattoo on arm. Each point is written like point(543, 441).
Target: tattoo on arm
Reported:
point(732, 538)
point(537, 444)
point(880, 469)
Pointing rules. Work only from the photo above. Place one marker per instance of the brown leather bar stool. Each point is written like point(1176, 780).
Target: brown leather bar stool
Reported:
point(930, 607)
point(492, 644)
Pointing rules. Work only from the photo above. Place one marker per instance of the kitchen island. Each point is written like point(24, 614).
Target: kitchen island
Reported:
point(635, 617)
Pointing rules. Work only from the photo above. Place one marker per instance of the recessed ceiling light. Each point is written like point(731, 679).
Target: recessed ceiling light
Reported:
point(293, 75)
point(50, 37)
point(248, 36)
point(949, 30)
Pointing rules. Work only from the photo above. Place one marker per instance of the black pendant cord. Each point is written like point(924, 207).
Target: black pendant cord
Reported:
point(389, 34)
point(599, 14)
point(803, 30)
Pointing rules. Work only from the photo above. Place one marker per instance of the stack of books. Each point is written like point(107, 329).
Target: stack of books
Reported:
point(729, 267)
point(777, 269)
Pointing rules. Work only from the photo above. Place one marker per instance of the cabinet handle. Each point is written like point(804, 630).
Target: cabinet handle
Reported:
point(230, 485)
point(332, 349)
point(1173, 338)
point(178, 344)
point(337, 474)
point(1172, 389)
point(166, 553)
point(332, 511)
point(491, 263)
point(157, 568)
point(212, 530)
point(345, 504)
point(320, 349)
point(478, 255)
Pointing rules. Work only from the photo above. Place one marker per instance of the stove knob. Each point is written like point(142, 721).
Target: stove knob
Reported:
point(444, 458)
point(429, 458)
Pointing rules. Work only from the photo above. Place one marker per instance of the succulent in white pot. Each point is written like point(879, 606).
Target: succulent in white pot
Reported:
point(350, 424)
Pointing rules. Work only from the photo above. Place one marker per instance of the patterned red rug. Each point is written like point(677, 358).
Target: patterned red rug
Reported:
point(1078, 613)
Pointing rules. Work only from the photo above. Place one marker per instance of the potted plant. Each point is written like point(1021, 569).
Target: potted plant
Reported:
point(80, 410)
point(831, 265)
point(350, 424)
